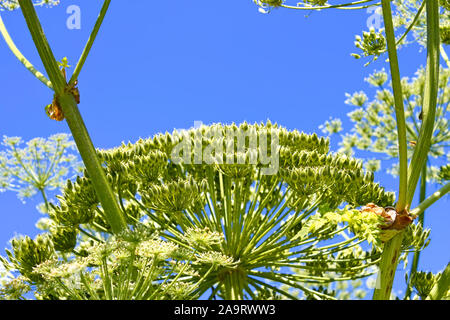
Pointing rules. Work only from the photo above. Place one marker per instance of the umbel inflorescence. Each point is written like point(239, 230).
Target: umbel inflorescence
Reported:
point(210, 225)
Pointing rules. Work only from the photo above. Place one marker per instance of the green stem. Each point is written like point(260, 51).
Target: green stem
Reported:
point(234, 283)
point(430, 99)
point(90, 42)
point(388, 265)
point(75, 121)
point(430, 200)
point(415, 262)
point(336, 6)
point(21, 57)
point(41, 43)
point(398, 99)
point(90, 235)
point(413, 23)
point(391, 251)
point(42, 191)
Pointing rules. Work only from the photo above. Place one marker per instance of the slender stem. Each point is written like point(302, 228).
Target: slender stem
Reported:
point(413, 23)
point(335, 6)
point(26, 168)
point(399, 109)
point(21, 57)
point(444, 55)
point(41, 43)
point(90, 42)
point(75, 121)
point(42, 191)
point(430, 200)
point(90, 235)
point(430, 99)
point(415, 262)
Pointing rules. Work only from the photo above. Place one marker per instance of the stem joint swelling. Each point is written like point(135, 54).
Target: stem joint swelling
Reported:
point(54, 110)
point(394, 222)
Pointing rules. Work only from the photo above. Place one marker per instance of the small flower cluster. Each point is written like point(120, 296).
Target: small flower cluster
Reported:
point(41, 165)
point(405, 13)
point(445, 4)
point(28, 253)
point(131, 267)
point(444, 173)
point(319, 3)
point(374, 121)
point(372, 43)
point(423, 282)
point(77, 205)
point(266, 5)
point(14, 4)
point(444, 31)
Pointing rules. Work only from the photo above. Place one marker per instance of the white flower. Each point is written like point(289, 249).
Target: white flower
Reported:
point(4, 275)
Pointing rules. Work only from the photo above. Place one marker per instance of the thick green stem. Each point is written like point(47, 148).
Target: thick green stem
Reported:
point(234, 281)
point(388, 266)
point(95, 170)
point(75, 121)
point(415, 262)
point(399, 109)
point(21, 57)
point(391, 250)
point(430, 99)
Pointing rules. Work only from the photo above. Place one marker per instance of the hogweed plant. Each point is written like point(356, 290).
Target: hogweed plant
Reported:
point(236, 229)
point(224, 209)
point(371, 44)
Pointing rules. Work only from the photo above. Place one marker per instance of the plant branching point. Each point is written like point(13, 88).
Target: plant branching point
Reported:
point(66, 100)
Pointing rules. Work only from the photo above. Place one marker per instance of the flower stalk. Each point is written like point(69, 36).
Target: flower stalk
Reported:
point(389, 259)
point(363, 4)
point(430, 99)
point(399, 108)
point(90, 42)
point(430, 200)
point(12, 46)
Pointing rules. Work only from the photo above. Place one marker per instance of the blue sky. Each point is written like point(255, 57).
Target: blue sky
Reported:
point(160, 65)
